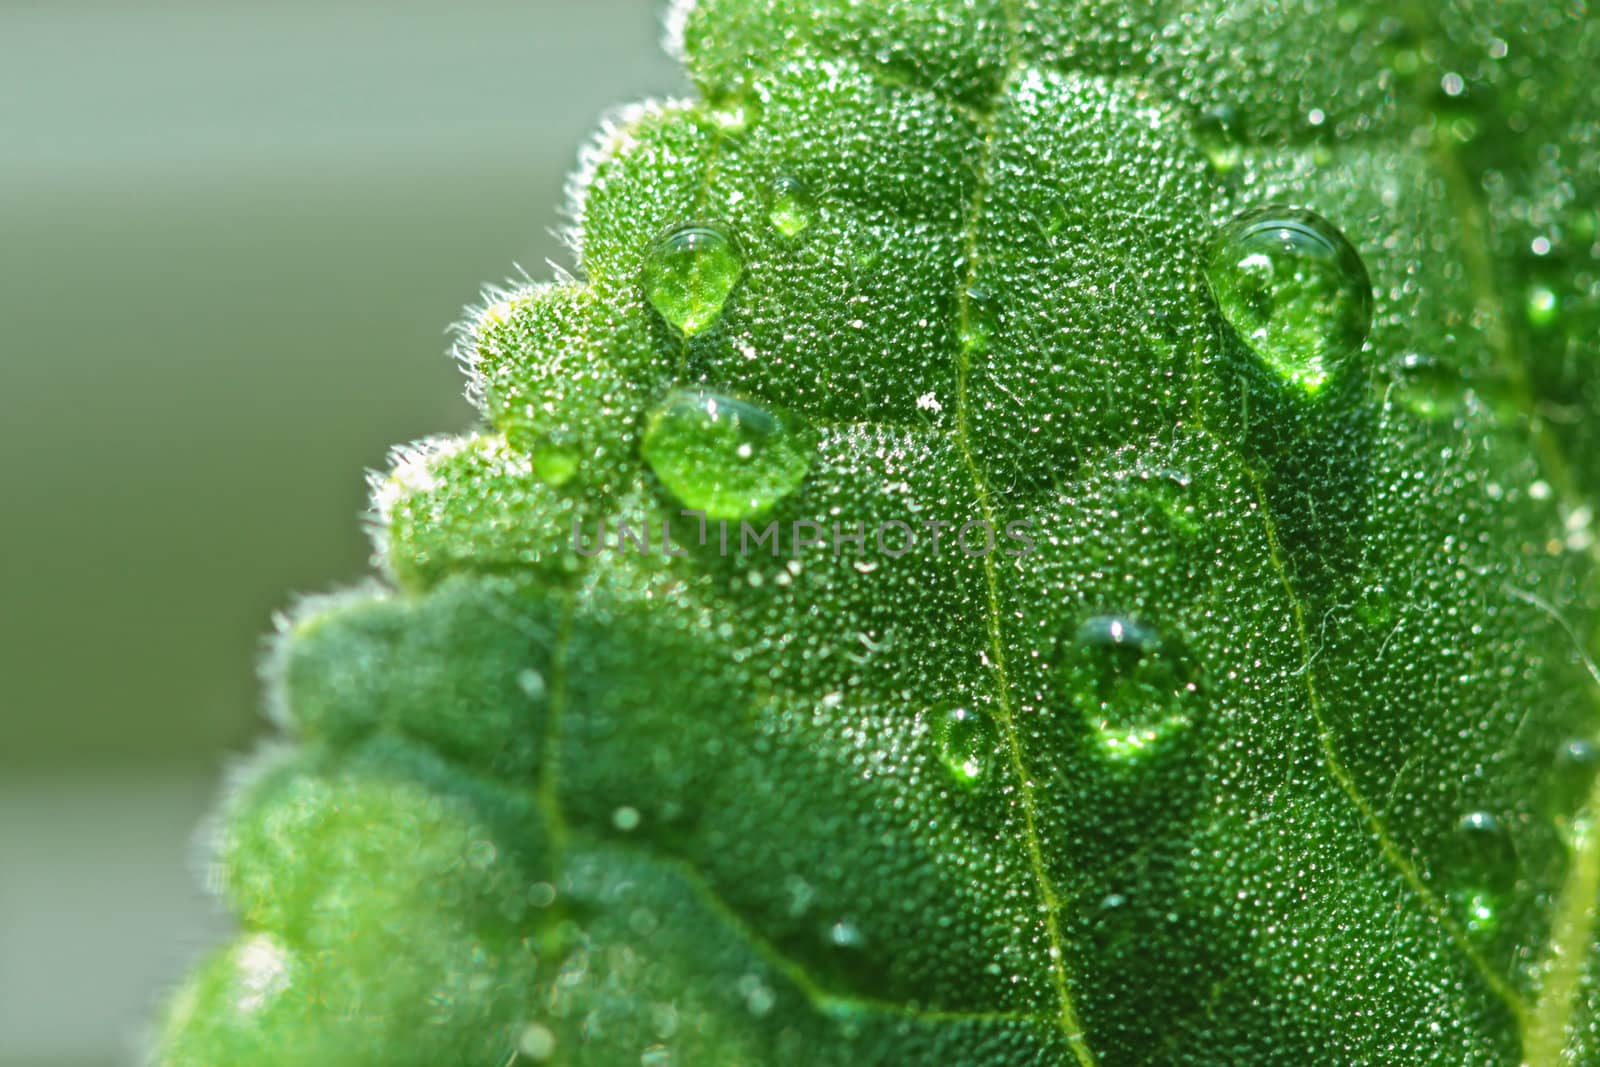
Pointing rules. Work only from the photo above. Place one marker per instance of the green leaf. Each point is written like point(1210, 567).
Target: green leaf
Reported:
point(1232, 705)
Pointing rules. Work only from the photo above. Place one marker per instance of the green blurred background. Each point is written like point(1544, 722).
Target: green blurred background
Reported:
point(231, 237)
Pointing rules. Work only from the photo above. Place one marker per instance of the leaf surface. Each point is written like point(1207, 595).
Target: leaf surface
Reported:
point(1276, 746)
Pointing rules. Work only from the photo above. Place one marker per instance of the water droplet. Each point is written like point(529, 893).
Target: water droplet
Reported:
point(1577, 762)
point(1294, 289)
point(1481, 866)
point(1218, 134)
point(981, 322)
point(1430, 387)
point(554, 463)
point(1481, 855)
point(625, 818)
point(966, 743)
point(1544, 307)
point(536, 1042)
point(846, 934)
point(725, 457)
point(532, 684)
point(656, 1056)
point(689, 275)
point(791, 207)
point(1136, 689)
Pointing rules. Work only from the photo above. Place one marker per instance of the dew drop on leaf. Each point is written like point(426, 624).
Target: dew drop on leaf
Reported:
point(536, 1042)
point(982, 322)
point(1576, 764)
point(1294, 289)
point(1482, 869)
point(1217, 132)
point(791, 207)
point(1134, 688)
point(554, 463)
point(726, 457)
point(689, 275)
point(966, 742)
point(1543, 306)
point(1430, 388)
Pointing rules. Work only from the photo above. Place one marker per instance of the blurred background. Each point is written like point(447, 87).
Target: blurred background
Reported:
point(232, 235)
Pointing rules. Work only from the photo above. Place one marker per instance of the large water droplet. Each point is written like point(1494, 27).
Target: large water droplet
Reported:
point(790, 207)
point(689, 275)
point(1135, 688)
point(726, 457)
point(966, 741)
point(1294, 289)
point(1482, 865)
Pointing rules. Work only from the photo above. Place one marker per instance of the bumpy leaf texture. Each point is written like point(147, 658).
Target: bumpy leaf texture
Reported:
point(1274, 749)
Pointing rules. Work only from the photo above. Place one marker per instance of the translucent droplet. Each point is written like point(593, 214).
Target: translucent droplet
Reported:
point(981, 322)
point(1544, 307)
point(689, 275)
point(1430, 388)
point(728, 458)
point(1136, 689)
point(966, 741)
point(791, 207)
point(536, 1042)
point(1482, 851)
point(1479, 911)
point(1481, 865)
point(625, 818)
point(554, 463)
point(846, 934)
point(1218, 134)
point(1576, 764)
point(1294, 290)
point(656, 1056)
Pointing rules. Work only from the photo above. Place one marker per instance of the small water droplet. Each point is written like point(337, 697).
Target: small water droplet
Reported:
point(553, 463)
point(966, 743)
point(1135, 688)
point(689, 275)
point(1576, 764)
point(625, 818)
point(1544, 307)
point(1430, 387)
point(728, 458)
point(532, 684)
point(1481, 865)
point(1218, 134)
point(1294, 289)
point(656, 1056)
point(1481, 853)
point(981, 323)
point(845, 934)
point(790, 207)
point(536, 1042)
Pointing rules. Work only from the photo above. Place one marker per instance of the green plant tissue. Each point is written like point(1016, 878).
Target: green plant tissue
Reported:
point(1038, 533)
